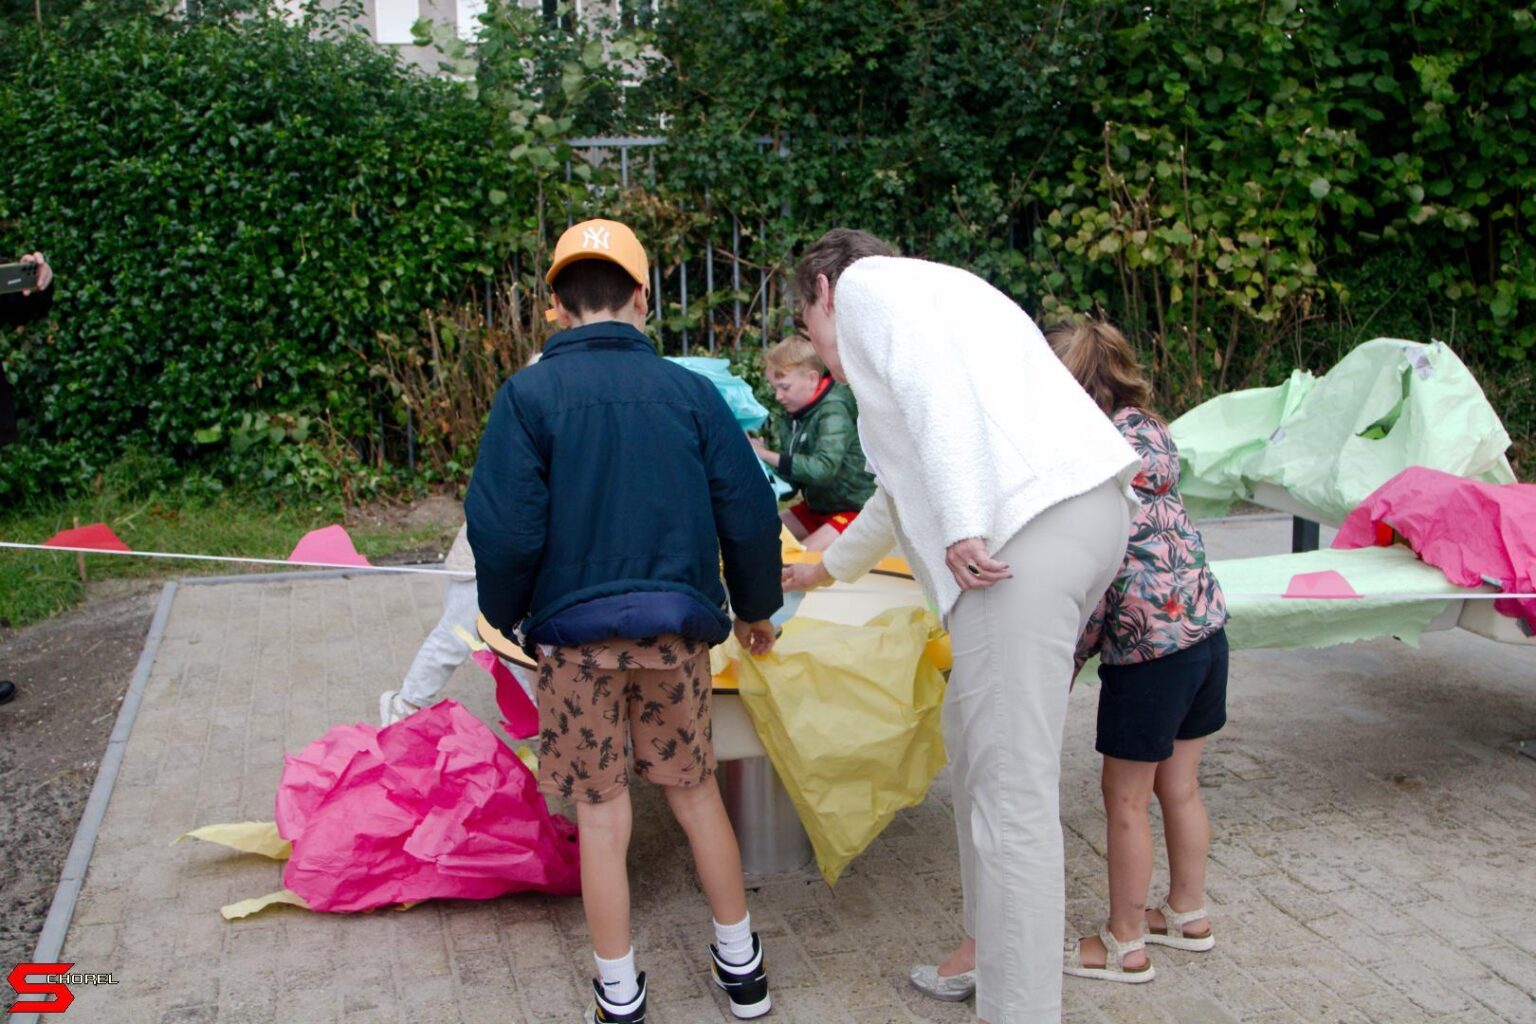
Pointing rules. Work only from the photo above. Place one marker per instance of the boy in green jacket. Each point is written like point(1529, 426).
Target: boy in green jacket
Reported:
point(819, 451)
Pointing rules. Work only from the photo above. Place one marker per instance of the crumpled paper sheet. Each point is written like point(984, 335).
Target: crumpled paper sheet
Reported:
point(260, 838)
point(1331, 441)
point(1471, 531)
point(434, 806)
point(1261, 617)
point(849, 716)
point(520, 715)
point(750, 414)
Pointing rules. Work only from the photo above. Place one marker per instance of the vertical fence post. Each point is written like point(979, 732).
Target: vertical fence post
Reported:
point(660, 307)
point(683, 286)
point(784, 213)
point(762, 287)
point(410, 441)
point(709, 281)
point(736, 274)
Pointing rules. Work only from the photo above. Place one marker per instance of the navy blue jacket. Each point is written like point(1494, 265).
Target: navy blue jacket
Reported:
point(610, 486)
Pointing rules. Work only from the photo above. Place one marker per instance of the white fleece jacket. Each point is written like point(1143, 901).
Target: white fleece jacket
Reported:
point(970, 423)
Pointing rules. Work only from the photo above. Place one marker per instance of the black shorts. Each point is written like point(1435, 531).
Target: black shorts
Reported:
point(1144, 707)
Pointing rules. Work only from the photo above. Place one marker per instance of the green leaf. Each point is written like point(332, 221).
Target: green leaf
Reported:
point(1319, 187)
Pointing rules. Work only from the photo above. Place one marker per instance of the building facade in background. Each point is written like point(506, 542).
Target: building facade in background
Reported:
point(389, 21)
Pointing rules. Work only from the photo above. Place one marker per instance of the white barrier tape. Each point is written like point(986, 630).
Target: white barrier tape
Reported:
point(49, 548)
point(1471, 595)
point(1480, 595)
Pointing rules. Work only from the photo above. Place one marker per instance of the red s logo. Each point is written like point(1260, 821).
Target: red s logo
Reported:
point(60, 997)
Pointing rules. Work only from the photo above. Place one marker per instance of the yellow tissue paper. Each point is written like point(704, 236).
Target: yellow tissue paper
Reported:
point(246, 836)
point(526, 755)
point(245, 908)
point(259, 837)
point(792, 552)
point(849, 716)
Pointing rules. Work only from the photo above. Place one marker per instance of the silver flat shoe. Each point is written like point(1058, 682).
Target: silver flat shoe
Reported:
point(954, 988)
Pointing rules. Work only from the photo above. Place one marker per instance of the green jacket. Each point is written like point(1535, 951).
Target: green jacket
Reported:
point(819, 454)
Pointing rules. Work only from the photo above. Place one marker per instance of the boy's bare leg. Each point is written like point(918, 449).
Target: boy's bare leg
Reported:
point(1187, 831)
point(821, 539)
point(701, 813)
point(796, 527)
point(603, 834)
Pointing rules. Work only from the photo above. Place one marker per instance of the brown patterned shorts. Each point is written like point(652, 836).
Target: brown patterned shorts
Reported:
point(662, 685)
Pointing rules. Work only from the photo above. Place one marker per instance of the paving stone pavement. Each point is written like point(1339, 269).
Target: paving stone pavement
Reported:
point(1374, 855)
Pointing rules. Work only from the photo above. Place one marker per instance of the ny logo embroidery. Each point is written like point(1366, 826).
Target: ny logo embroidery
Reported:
point(594, 238)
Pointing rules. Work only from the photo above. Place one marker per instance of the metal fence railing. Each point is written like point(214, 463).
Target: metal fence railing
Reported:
point(695, 317)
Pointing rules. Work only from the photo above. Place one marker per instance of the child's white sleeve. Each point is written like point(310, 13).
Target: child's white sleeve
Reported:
point(869, 538)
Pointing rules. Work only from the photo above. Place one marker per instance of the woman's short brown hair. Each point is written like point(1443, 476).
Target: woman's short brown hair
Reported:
point(1104, 363)
point(831, 254)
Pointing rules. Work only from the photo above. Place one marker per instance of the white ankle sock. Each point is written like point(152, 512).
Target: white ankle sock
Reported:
point(620, 985)
point(734, 941)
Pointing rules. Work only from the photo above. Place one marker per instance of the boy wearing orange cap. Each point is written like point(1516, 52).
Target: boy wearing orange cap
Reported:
point(611, 486)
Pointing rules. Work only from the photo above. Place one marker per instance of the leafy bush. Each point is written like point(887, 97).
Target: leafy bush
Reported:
point(233, 210)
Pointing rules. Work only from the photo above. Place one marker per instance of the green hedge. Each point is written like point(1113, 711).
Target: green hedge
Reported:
point(233, 211)
point(238, 209)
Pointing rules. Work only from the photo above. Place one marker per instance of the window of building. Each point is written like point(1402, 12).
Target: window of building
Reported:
point(467, 17)
point(392, 20)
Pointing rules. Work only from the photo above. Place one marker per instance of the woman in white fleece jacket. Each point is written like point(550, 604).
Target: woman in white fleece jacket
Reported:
point(1007, 489)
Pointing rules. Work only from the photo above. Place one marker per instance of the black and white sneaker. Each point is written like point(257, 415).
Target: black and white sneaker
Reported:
point(745, 984)
point(602, 1011)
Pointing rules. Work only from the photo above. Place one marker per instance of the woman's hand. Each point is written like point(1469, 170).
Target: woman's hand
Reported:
point(804, 576)
point(973, 566)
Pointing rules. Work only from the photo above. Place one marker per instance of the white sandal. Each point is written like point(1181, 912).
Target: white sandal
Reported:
point(1113, 968)
point(1172, 933)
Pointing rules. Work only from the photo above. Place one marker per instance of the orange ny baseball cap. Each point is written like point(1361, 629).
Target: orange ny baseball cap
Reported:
point(600, 239)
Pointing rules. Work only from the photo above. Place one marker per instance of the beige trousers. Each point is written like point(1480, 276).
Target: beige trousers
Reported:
point(1004, 713)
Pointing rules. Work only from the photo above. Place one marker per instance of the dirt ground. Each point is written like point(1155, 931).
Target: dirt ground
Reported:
point(71, 673)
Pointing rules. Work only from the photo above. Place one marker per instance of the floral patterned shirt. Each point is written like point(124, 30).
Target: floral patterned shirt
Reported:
point(1165, 599)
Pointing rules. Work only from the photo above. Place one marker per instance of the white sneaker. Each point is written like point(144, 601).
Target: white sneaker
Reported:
point(393, 707)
